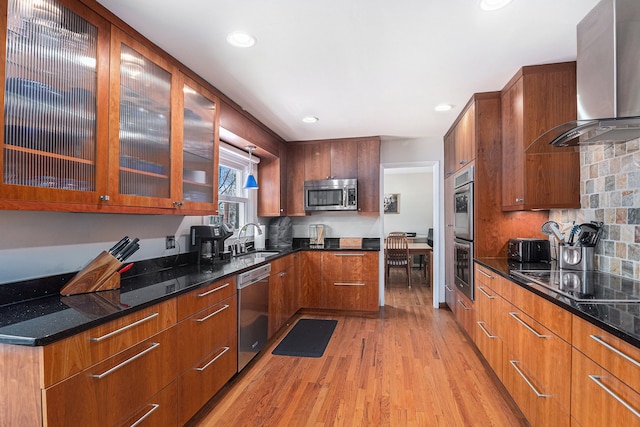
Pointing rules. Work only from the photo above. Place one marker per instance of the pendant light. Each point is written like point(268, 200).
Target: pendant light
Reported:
point(250, 183)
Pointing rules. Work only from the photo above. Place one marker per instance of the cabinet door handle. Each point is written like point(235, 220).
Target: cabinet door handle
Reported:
point(485, 274)
point(124, 328)
point(600, 341)
point(448, 288)
point(284, 273)
point(154, 406)
point(204, 294)
point(481, 289)
point(481, 324)
point(347, 284)
point(224, 350)
point(514, 363)
point(126, 362)
point(348, 254)
point(519, 200)
point(523, 323)
point(596, 379)
point(463, 306)
point(213, 314)
point(462, 162)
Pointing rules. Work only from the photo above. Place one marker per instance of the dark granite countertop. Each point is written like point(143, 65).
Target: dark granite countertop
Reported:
point(33, 313)
point(621, 320)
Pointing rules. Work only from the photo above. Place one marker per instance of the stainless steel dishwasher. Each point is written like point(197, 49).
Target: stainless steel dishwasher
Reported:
point(253, 313)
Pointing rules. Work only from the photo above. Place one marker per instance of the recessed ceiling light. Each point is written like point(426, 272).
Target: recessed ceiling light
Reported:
point(443, 107)
point(240, 39)
point(493, 4)
point(310, 119)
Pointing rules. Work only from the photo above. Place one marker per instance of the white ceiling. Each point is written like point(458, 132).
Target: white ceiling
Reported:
point(364, 67)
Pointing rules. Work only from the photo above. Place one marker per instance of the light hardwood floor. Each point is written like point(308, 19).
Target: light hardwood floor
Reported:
point(410, 365)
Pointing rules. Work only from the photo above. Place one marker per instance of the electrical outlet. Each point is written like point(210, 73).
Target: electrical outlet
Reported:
point(171, 242)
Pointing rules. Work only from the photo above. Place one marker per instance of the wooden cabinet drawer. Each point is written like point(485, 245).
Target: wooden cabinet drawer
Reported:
point(598, 396)
point(465, 314)
point(205, 330)
point(618, 357)
point(159, 411)
point(557, 319)
point(115, 387)
point(351, 295)
point(543, 356)
point(71, 355)
point(197, 385)
point(488, 278)
point(205, 296)
point(350, 267)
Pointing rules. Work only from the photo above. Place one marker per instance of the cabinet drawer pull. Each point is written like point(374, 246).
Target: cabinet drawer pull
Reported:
point(126, 362)
point(154, 406)
point(224, 350)
point(213, 314)
point(600, 341)
point(596, 379)
point(284, 273)
point(448, 288)
point(481, 324)
point(524, 377)
point(124, 328)
point(485, 274)
point(204, 294)
point(463, 306)
point(481, 289)
point(348, 254)
point(523, 323)
point(347, 284)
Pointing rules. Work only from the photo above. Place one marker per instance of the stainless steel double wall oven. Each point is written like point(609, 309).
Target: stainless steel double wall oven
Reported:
point(463, 230)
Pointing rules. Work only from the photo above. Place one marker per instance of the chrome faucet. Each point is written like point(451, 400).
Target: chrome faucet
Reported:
point(244, 229)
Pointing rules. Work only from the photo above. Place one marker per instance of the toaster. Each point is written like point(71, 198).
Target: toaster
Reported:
point(529, 250)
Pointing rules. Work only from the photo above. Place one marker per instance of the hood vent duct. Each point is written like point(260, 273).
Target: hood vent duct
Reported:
point(607, 77)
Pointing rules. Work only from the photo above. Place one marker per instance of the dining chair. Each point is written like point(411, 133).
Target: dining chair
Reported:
point(397, 254)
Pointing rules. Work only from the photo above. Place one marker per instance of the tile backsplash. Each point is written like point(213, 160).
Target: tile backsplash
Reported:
point(610, 193)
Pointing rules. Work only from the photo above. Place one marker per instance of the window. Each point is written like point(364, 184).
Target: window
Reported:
point(236, 205)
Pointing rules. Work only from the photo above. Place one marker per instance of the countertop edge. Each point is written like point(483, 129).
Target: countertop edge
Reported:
point(547, 296)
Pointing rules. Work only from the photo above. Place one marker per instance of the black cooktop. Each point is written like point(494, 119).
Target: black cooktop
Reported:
point(585, 286)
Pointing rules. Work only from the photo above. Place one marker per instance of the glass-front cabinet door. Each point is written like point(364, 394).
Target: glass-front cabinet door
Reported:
point(199, 148)
point(141, 126)
point(55, 102)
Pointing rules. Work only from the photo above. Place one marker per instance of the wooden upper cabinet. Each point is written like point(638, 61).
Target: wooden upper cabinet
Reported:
point(317, 161)
point(369, 175)
point(54, 128)
point(295, 179)
point(197, 167)
point(144, 92)
point(539, 176)
point(460, 140)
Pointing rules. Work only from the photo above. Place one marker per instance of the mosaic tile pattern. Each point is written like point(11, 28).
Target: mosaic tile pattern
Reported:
point(610, 193)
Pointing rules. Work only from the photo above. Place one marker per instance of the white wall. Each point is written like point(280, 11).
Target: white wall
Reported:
point(40, 244)
point(416, 201)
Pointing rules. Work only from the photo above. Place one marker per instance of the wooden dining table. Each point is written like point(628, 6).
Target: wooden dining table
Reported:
point(427, 251)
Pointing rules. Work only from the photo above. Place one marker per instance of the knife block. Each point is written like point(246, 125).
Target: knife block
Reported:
point(100, 275)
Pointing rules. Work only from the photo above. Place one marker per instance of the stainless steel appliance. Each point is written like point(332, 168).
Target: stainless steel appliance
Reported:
point(463, 204)
point(331, 195)
point(463, 266)
point(206, 242)
point(593, 287)
point(529, 250)
point(253, 313)
point(463, 231)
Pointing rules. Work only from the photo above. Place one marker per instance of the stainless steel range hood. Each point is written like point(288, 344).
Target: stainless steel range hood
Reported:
point(608, 78)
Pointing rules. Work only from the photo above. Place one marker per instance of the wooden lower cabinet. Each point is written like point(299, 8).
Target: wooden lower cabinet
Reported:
point(159, 411)
point(350, 280)
point(107, 392)
point(465, 313)
point(599, 398)
point(283, 291)
point(487, 306)
point(198, 384)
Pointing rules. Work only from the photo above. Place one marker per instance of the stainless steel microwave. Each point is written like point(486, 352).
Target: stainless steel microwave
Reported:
point(331, 195)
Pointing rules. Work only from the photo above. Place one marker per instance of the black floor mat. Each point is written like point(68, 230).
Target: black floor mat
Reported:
point(308, 338)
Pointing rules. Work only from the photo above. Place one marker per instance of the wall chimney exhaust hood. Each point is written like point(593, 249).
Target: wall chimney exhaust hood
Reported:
point(608, 78)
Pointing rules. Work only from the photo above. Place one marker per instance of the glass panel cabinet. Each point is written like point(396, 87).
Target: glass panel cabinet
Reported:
point(52, 113)
point(199, 147)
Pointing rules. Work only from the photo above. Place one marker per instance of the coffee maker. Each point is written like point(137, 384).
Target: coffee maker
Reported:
point(207, 242)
